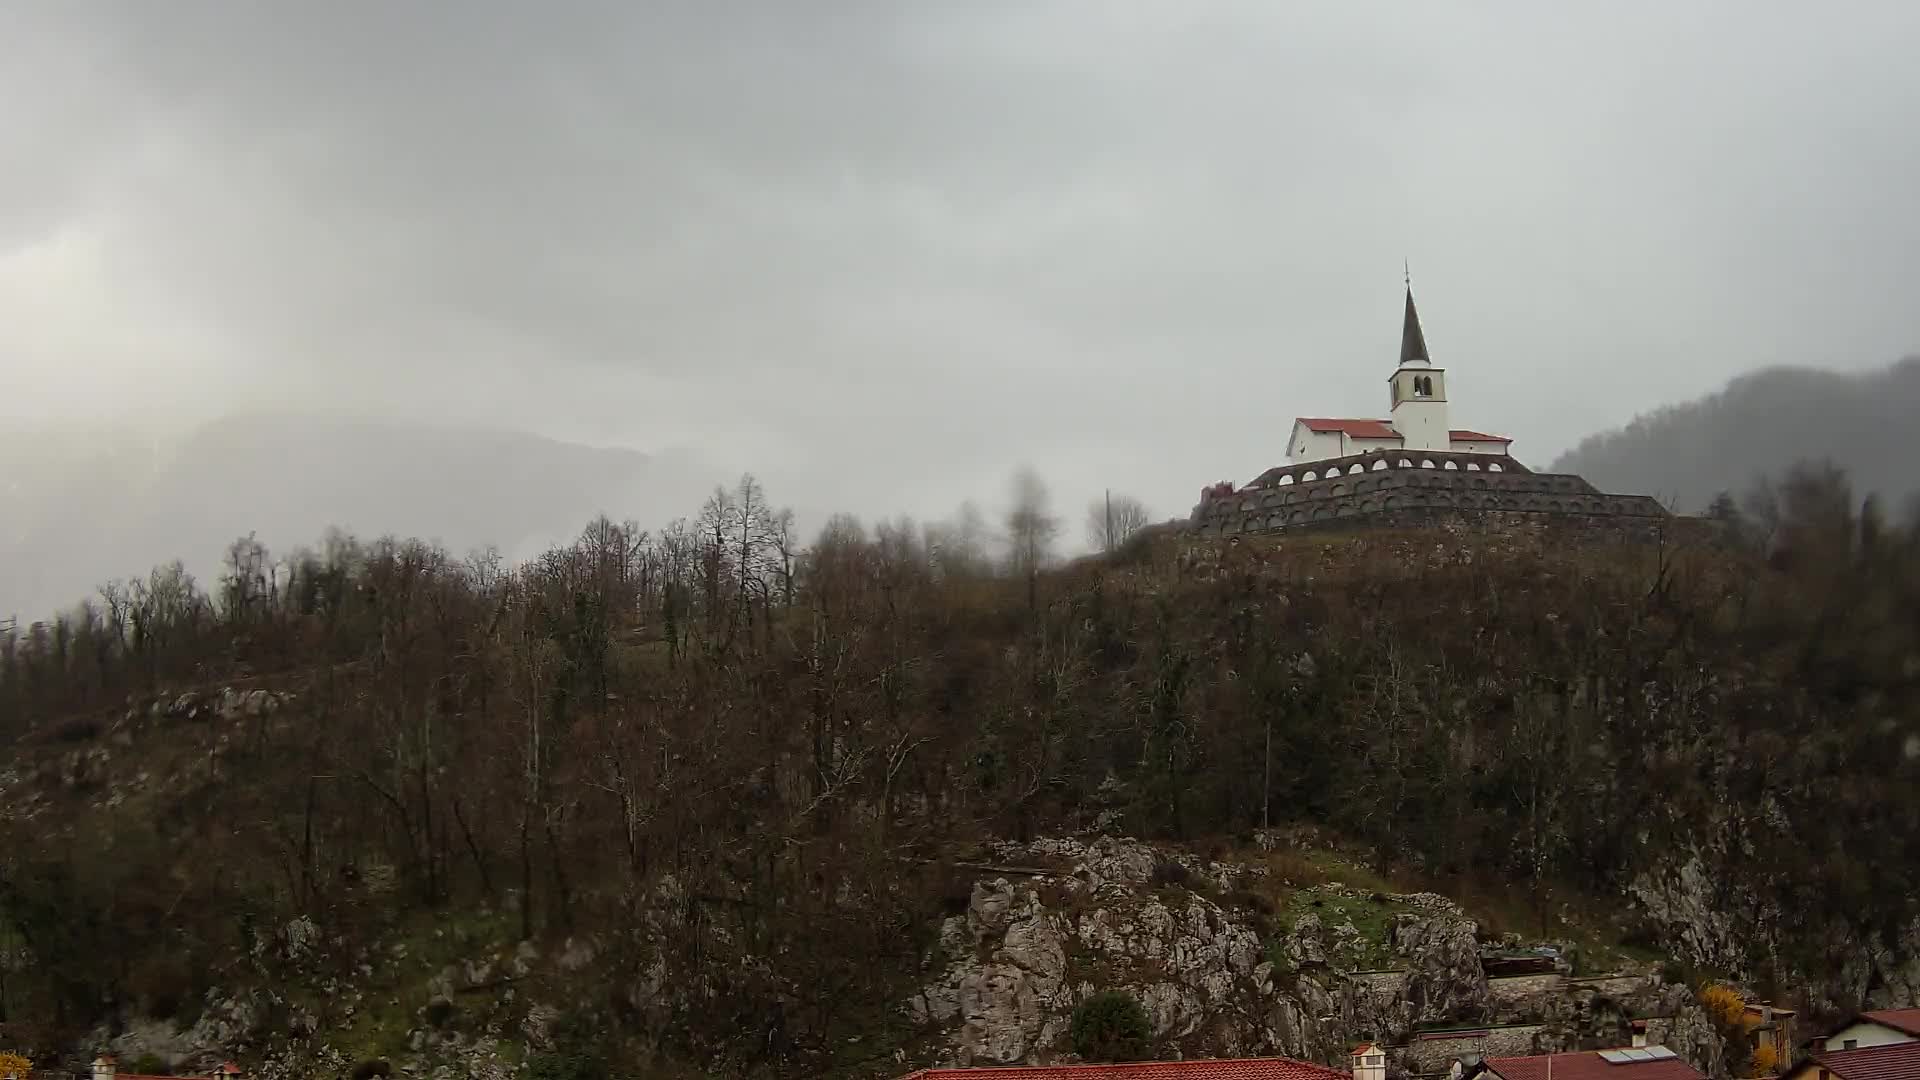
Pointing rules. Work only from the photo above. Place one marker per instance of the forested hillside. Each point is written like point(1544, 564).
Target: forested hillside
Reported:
point(1757, 427)
point(721, 775)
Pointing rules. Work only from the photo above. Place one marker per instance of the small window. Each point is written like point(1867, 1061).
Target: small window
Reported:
point(1850, 1044)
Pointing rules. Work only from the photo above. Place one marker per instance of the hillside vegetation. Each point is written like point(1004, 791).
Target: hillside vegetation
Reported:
point(724, 780)
point(1757, 427)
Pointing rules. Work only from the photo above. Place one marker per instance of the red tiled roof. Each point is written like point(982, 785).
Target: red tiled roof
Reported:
point(1589, 1065)
point(1907, 1020)
point(1894, 1061)
point(1226, 1069)
point(1354, 428)
point(1358, 428)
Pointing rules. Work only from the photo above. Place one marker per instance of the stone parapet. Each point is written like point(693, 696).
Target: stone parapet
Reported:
point(1409, 489)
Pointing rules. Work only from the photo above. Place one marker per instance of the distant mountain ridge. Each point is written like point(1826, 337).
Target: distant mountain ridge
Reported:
point(72, 517)
point(1759, 425)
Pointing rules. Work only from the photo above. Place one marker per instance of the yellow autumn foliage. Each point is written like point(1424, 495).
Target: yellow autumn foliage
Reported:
point(15, 1065)
point(1725, 1005)
point(1766, 1060)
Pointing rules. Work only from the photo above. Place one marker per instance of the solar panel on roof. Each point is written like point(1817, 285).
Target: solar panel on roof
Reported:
point(1660, 1053)
point(1637, 1054)
point(1613, 1057)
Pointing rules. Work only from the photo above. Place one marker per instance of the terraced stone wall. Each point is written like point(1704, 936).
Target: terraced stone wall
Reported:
point(1414, 489)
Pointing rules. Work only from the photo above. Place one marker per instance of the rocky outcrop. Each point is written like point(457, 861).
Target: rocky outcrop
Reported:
point(1219, 972)
point(1011, 969)
point(1445, 981)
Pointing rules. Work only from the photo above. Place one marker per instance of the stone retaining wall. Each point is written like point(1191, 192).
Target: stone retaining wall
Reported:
point(1433, 1052)
point(1617, 987)
point(1415, 489)
point(1513, 989)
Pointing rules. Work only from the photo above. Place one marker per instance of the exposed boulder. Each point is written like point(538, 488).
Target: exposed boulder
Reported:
point(1445, 980)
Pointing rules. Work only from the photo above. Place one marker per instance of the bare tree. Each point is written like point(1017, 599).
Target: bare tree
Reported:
point(1113, 519)
point(1031, 528)
point(958, 546)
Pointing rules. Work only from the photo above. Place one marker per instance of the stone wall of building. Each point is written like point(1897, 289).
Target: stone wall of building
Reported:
point(1405, 489)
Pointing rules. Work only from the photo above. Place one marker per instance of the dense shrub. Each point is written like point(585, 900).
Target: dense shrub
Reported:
point(1111, 1026)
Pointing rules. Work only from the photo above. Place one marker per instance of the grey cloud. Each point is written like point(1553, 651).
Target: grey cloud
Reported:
point(882, 251)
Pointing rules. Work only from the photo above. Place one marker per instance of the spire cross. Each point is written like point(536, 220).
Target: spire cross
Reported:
point(1408, 266)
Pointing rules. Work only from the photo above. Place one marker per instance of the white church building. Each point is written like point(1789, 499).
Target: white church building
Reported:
point(1418, 419)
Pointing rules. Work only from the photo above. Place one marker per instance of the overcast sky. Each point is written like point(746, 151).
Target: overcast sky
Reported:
point(884, 252)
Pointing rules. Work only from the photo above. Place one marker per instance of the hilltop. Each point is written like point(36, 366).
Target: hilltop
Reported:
point(1759, 425)
point(704, 801)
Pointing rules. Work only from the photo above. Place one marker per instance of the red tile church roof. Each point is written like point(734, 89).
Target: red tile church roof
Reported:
point(1227, 1069)
point(1358, 428)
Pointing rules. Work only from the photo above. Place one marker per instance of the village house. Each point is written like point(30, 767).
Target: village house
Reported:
point(1772, 1027)
point(1885, 1061)
point(1880, 1045)
point(1882, 1027)
point(1369, 1063)
point(1626, 1063)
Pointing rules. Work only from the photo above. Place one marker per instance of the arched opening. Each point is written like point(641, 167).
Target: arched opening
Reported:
point(1381, 464)
point(1286, 479)
point(1449, 465)
point(1493, 466)
point(1426, 463)
point(1405, 464)
point(1338, 490)
point(1473, 466)
point(1310, 477)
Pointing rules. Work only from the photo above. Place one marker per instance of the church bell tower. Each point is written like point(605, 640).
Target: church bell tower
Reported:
point(1419, 390)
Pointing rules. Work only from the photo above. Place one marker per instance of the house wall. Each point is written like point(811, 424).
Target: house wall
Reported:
point(1314, 445)
point(1867, 1033)
point(1467, 446)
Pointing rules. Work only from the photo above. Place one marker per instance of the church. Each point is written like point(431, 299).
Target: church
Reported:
point(1417, 421)
point(1412, 469)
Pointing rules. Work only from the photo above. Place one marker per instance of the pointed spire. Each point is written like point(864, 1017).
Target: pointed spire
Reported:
point(1413, 343)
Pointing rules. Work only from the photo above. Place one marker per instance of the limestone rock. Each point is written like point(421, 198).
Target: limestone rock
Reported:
point(1445, 979)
